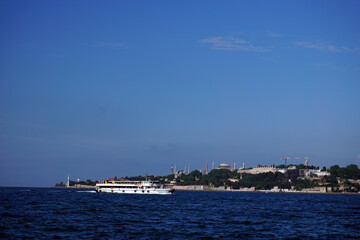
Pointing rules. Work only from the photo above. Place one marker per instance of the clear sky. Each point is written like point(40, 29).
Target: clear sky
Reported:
point(99, 89)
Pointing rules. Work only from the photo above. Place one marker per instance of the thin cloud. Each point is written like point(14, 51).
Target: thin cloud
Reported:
point(325, 47)
point(232, 44)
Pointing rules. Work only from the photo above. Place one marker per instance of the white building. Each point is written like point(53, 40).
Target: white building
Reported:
point(317, 173)
point(260, 169)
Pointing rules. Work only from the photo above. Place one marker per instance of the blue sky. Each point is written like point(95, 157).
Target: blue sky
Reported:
point(99, 89)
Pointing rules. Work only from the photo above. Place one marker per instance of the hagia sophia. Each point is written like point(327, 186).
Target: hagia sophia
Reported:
point(223, 165)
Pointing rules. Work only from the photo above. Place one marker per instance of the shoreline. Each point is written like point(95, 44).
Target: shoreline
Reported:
point(204, 188)
point(267, 191)
point(77, 187)
point(208, 190)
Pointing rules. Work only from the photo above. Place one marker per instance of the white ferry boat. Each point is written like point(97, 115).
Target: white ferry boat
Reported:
point(135, 187)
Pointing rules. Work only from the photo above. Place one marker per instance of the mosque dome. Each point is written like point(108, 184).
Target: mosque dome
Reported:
point(224, 166)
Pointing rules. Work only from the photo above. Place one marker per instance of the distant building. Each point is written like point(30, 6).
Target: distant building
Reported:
point(224, 166)
point(259, 169)
point(114, 179)
point(292, 171)
point(179, 172)
point(308, 173)
point(316, 173)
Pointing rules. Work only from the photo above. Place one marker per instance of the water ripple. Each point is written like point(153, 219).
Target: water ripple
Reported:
point(40, 213)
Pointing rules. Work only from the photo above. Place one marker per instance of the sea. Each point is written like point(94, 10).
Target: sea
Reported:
point(54, 213)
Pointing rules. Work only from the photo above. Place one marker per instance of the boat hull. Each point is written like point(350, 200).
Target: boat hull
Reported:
point(135, 191)
point(132, 187)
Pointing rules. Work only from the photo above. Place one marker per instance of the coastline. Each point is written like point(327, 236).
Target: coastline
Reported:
point(268, 191)
point(202, 188)
point(77, 187)
point(205, 188)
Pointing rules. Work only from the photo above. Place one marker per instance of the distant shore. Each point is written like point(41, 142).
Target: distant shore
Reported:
point(268, 191)
point(201, 188)
point(77, 187)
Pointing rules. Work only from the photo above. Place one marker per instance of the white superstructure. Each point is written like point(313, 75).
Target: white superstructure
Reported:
point(135, 187)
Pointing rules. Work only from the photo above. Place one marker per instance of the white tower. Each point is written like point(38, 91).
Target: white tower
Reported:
point(68, 181)
point(213, 165)
point(306, 161)
point(243, 167)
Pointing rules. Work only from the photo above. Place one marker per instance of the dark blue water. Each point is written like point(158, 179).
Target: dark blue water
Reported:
point(45, 213)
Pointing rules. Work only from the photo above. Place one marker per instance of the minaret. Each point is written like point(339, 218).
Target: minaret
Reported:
point(172, 169)
point(207, 168)
point(306, 161)
point(189, 168)
point(175, 169)
point(243, 167)
point(213, 165)
point(234, 166)
point(68, 181)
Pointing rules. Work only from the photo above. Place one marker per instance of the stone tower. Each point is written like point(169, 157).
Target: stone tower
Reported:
point(306, 161)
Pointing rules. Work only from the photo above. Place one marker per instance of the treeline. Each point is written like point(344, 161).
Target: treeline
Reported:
point(344, 178)
point(350, 172)
point(88, 182)
point(235, 180)
point(216, 178)
point(160, 179)
point(300, 166)
point(61, 184)
point(340, 179)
